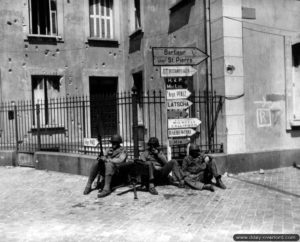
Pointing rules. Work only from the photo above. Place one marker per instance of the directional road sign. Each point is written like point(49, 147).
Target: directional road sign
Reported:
point(177, 71)
point(177, 56)
point(180, 132)
point(183, 123)
point(179, 141)
point(178, 93)
point(177, 113)
point(178, 104)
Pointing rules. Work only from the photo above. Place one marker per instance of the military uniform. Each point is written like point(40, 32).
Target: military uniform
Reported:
point(161, 166)
point(113, 162)
point(199, 172)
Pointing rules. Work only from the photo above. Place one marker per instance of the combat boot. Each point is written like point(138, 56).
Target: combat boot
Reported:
point(152, 190)
point(104, 193)
point(87, 189)
point(208, 187)
point(219, 183)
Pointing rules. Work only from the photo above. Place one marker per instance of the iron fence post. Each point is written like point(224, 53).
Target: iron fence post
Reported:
point(38, 126)
point(16, 126)
point(135, 123)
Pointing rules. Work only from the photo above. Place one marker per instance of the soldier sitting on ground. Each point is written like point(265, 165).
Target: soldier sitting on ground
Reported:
point(113, 161)
point(155, 158)
point(199, 169)
point(113, 165)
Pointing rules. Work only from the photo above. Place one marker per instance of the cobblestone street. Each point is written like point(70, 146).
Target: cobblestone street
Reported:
point(49, 206)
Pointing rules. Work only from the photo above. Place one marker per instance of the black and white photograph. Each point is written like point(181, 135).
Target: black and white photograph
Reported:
point(149, 120)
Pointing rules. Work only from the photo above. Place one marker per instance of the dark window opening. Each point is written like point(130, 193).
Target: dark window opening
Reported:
point(296, 54)
point(104, 116)
point(43, 15)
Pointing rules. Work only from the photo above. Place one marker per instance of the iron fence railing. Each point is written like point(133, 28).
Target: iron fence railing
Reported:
point(62, 124)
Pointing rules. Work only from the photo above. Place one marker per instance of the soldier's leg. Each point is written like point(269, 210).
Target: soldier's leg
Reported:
point(146, 170)
point(197, 184)
point(213, 170)
point(93, 174)
point(109, 172)
point(178, 174)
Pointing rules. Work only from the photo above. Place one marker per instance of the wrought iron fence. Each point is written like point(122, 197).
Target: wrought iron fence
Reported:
point(62, 124)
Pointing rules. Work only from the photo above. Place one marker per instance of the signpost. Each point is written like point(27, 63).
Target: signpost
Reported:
point(179, 141)
point(176, 68)
point(175, 56)
point(178, 93)
point(183, 123)
point(91, 142)
point(178, 104)
point(177, 113)
point(181, 132)
point(177, 71)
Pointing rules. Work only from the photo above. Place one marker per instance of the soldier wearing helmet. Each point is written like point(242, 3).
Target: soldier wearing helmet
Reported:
point(199, 169)
point(161, 167)
point(113, 160)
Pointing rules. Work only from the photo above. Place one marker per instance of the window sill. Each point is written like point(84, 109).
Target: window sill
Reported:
point(94, 41)
point(295, 124)
point(48, 130)
point(44, 38)
point(137, 32)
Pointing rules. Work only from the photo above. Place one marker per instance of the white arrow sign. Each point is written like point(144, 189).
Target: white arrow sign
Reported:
point(177, 71)
point(183, 123)
point(179, 104)
point(178, 94)
point(180, 132)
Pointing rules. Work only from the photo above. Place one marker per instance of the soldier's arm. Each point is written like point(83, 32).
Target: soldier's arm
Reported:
point(121, 158)
point(185, 166)
point(143, 156)
point(162, 158)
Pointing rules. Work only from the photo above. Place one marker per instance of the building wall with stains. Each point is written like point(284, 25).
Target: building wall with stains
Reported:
point(270, 28)
point(164, 27)
point(73, 56)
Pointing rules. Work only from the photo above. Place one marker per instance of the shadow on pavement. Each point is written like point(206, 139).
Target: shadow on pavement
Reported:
point(268, 187)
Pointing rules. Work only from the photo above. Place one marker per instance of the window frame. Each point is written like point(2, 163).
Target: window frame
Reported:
point(50, 19)
point(102, 13)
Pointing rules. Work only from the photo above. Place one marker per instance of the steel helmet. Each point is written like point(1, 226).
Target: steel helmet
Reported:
point(194, 148)
point(116, 139)
point(153, 141)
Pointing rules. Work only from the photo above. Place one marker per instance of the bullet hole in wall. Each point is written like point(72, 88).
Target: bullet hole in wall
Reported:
point(15, 20)
point(26, 46)
point(66, 66)
point(57, 50)
point(103, 64)
point(115, 54)
point(110, 53)
point(10, 70)
point(53, 54)
point(46, 52)
point(9, 59)
point(24, 64)
point(36, 48)
point(9, 23)
point(26, 55)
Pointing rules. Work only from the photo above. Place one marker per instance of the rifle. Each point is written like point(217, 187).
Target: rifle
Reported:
point(99, 138)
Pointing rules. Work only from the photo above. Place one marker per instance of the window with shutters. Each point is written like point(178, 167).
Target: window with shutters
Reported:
point(101, 19)
point(43, 17)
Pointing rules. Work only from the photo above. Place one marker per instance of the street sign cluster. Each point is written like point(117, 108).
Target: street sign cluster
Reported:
point(176, 64)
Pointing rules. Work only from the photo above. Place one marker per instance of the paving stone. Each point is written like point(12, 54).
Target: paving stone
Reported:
point(49, 206)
